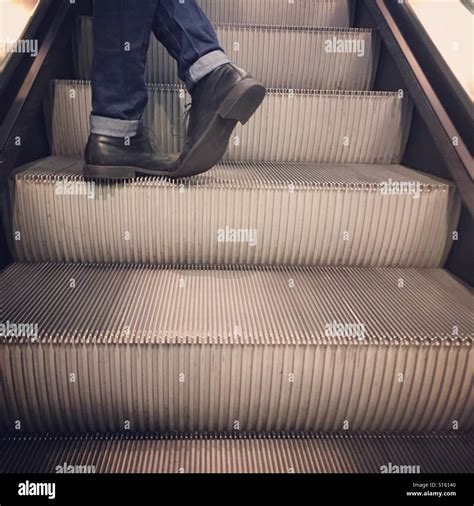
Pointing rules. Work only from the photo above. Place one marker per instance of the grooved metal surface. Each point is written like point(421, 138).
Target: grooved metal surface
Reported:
point(237, 213)
point(323, 127)
point(237, 453)
point(156, 349)
point(337, 13)
point(280, 57)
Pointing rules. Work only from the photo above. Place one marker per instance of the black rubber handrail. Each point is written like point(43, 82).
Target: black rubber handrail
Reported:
point(13, 60)
point(453, 96)
point(441, 127)
point(440, 111)
point(7, 126)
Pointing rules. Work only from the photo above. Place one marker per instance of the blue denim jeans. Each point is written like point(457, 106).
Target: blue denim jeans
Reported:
point(122, 30)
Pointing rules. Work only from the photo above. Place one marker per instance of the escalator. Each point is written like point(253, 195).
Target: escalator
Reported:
point(302, 307)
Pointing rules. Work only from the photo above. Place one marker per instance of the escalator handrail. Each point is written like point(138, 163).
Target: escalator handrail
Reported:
point(8, 125)
point(435, 102)
point(440, 124)
point(452, 94)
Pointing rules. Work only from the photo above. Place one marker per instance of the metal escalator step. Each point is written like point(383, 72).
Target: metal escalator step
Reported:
point(196, 349)
point(237, 213)
point(237, 453)
point(324, 127)
point(280, 57)
point(337, 13)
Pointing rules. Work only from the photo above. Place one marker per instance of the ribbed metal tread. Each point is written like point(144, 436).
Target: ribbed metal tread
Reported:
point(277, 12)
point(325, 126)
point(238, 453)
point(280, 214)
point(223, 349)
point(340, 59)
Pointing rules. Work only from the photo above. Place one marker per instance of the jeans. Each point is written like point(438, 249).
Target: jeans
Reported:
point(122, 30)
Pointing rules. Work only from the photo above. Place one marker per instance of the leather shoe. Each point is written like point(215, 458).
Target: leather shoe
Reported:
point(225, 96)
point(113, 158)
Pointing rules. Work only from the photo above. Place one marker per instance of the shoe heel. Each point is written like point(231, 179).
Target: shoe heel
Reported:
point(107, 172)
point(243, 101)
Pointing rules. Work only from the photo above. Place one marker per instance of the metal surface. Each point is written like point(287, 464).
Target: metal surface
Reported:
point(280, 12)
point(155, 349)
point(323, 127)
point(137, 348)
point(237, 453)
point(340, 59)
point(285, 213)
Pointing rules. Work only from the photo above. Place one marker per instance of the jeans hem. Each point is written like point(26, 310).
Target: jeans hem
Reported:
point(204, 66)
point(113, 127)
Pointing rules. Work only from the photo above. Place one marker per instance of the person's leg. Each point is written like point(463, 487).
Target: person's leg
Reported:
point(222, 94)
point(189, 37)
point(118, 145)
point(121, 35)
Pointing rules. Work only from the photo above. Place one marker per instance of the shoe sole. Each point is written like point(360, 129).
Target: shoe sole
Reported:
point(108, 172)
point(239, 105)
point(119, 172)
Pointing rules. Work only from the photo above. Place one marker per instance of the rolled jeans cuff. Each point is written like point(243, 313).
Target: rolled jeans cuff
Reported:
point(204, 66)
point(113, 127)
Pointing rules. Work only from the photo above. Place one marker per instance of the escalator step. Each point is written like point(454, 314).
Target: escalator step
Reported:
point(341, 59)
point(237, 213)
point(323, 127)
point(257, 349)
point(278, 12)
point(238, 453)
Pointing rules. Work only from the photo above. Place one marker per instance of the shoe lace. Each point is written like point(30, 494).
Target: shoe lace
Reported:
point(182, 120)
point(152, 138)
